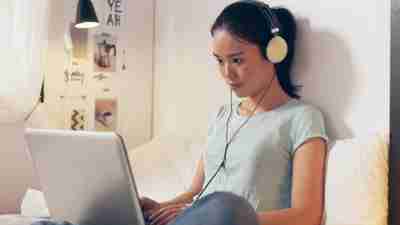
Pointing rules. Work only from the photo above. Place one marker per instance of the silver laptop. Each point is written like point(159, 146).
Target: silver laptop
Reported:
point(85, 176)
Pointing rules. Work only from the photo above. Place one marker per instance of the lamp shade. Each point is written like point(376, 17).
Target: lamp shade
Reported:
point(86, 15)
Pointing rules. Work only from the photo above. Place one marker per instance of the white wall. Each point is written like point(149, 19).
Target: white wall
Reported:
point(342, 62)
point(132, 88)
point(19, 89)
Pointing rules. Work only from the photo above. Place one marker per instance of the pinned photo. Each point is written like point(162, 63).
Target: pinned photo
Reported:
point(78, 119)
point(105, 115)
point(105, 53)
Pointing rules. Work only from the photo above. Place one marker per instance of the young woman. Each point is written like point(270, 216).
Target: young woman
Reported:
point(265, 155)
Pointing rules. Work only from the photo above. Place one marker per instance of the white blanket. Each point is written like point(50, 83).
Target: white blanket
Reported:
point(17, 220)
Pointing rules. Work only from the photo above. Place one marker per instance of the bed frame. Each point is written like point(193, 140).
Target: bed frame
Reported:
point(394, 152)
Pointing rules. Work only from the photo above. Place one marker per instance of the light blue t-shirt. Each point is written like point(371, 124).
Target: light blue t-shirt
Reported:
point(259, 159)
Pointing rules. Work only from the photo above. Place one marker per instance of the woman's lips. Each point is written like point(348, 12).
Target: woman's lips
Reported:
point(235, 86)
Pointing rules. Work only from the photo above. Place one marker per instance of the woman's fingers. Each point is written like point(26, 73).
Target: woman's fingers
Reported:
point(162, 216)
point(164, 213)
point(165, 218)
point(170, 218)
point(148, 204)
point(158, 212)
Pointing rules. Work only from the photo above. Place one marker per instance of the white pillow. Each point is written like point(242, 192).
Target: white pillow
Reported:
point(34, 204)
point(163, 167)
point(356, 188)
point(14, 219)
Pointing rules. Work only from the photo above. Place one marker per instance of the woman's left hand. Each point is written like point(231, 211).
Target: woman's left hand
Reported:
point(166, 214)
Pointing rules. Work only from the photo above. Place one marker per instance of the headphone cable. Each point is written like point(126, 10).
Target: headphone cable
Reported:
point(227, 143)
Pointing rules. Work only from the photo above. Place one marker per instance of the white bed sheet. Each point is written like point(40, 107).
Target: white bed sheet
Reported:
point(11, 219)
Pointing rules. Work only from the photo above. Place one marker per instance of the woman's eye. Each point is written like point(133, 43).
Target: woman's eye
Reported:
point(219, 61)
point(237, 61)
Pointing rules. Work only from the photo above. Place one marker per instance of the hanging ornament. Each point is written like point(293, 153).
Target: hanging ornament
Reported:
point(124, 60)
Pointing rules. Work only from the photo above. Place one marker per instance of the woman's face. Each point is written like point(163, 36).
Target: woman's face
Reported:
point(241, 64)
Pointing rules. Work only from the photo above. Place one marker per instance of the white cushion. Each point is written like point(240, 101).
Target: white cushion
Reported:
point(356, 190)
point(34, 204)
point(356, 185)
point(14, 219)
point(164, 167)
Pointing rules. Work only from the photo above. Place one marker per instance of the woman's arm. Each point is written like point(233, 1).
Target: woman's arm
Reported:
point(170, 209)
point(195, 188)
point(307, 188)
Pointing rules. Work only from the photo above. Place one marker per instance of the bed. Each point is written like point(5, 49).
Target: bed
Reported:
point(356, 186)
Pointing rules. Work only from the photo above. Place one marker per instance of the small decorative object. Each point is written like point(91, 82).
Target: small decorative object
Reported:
point(86, 15)
point(66, 76)
point(124, 61)
point(78, 119)
point(105, 114)
point(77, 76)
point(74, 74)
point(105, 52)
point(84, 97)
point(75, 109)
point(100, 77)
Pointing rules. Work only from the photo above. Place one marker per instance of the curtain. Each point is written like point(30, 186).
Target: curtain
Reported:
point(23, 45)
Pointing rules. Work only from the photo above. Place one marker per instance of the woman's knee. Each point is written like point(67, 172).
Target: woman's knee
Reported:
point(219, 208)
point(233, 206)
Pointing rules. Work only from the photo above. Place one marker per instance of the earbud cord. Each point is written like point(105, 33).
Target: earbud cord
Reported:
point(227, 143)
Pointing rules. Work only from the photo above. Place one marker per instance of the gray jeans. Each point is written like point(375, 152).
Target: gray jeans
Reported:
point(219, 208)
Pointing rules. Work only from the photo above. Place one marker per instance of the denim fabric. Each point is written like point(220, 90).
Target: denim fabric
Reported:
point(48, 222)
point(218, 208)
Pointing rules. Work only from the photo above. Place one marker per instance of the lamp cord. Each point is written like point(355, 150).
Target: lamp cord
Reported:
point(31, 112)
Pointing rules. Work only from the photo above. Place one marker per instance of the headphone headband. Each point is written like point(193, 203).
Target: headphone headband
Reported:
point(277, 48)
point(268, 14)
point(275, 25)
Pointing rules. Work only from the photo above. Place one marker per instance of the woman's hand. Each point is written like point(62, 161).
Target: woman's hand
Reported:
point(149, 206)
point(166, 214)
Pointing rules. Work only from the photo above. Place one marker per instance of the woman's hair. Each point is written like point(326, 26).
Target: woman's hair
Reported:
point(247, 22)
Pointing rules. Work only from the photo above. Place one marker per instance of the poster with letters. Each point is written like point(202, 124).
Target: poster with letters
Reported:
point(115, 13)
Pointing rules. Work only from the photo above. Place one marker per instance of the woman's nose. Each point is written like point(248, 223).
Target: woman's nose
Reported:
point(227, 71)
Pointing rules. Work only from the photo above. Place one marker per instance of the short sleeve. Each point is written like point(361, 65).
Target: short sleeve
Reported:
point(306, 124)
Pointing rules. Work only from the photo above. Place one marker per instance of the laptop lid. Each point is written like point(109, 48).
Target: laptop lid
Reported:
point(86, 176)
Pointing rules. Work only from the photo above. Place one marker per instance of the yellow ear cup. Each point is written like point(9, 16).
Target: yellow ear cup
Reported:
point(277, 49)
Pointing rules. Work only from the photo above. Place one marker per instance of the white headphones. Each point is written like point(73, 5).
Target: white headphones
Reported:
point(277, 48)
